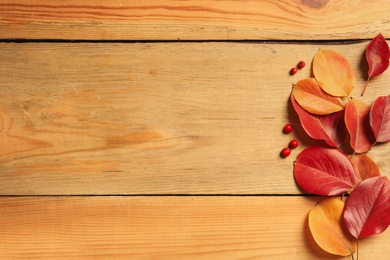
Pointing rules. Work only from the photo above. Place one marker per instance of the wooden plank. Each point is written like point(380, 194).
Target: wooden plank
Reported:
point(155, 118)
point(164, 228)
point(194, 20)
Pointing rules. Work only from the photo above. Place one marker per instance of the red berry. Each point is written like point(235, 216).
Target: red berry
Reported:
point(293, 144)
point(285, 152)
point(287, 129)
point(301, 64)
point(293, 71)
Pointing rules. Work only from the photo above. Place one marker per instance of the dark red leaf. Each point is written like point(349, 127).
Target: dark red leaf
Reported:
point(357, 120)
point(330, 128)
point(380, 119)
point(324, 171)
point(377, 55)
point(367, 210)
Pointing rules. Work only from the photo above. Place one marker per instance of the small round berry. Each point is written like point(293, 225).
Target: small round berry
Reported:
point(301, 64)
point(287, 129)
point(293, 144)
point(285, 152)
point(293, 71)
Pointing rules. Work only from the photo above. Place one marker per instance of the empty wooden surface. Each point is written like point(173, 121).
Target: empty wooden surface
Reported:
point(117, 140)
point(226, 227)
point(156, 118)
point(194, 20)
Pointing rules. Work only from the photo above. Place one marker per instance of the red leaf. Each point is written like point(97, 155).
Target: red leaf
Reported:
point(324, 171)
point(357, 121)
point(329, 128)
point(377, 56)
point(380, 119)
point(367, 210)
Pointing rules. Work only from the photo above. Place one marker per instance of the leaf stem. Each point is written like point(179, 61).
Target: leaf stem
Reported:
point(357, 249)
point(365, 86)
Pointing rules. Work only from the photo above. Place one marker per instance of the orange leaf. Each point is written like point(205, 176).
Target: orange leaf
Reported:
point(357, 120)
point(334, 73)
point(328, 230)
point(313, 99)
point(364, 167)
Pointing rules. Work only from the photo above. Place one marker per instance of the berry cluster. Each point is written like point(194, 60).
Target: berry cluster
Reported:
point(300, 65)
point(286, 151)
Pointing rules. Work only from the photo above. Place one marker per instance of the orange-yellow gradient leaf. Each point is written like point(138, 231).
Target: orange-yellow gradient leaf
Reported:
point(364, 167)
point(357, 120)
point(314, 100)
point(334, 73)
point(328, 230)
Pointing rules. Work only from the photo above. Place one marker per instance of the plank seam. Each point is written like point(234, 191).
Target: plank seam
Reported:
point(304, 42)
point(160, 195)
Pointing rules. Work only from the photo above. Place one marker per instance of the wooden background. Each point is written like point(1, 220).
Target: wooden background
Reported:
point(152, 129)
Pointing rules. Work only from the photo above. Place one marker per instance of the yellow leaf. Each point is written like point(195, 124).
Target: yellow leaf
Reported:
point(334, 73)
point(327, 228)
point(313, 99)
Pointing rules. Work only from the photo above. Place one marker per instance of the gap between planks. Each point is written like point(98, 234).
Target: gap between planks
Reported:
point(292, 41)
point(172, 20)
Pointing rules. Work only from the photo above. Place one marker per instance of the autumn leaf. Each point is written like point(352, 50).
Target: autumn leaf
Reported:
point(380, 119)
point(330, 128)
point(313, 99)
point(333, 73)
point(324, 171)
point(377, 56)
point(367, 210)
point(328, 230)
point(358, 125)
point(364, 167)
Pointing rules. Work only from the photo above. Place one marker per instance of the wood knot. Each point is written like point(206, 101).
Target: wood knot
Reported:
point(317, 4)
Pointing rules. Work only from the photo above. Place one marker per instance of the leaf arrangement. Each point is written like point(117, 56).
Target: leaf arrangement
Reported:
point(327, 112)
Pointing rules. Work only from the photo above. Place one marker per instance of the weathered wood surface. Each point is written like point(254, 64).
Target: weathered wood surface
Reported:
point(165, 228)
point(156, 118)
point(194, 20)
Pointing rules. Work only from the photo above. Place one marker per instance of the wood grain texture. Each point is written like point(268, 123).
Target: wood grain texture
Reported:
point(144, 118)
point(155, 118)
point(165, 228)
point(194, 20)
